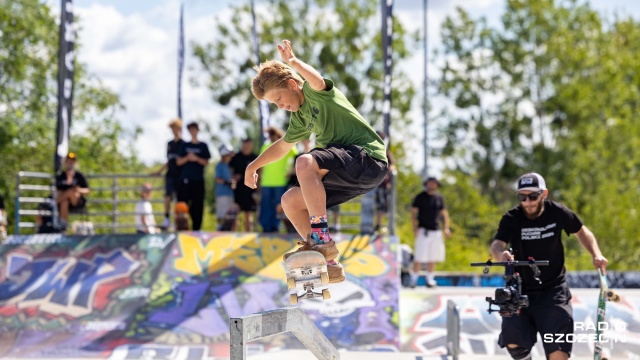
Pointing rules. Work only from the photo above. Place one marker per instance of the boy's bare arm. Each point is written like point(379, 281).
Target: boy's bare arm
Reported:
point(313, 77)
point(275, 152)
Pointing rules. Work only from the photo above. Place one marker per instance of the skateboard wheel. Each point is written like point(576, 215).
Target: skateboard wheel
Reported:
point(324, 277)
point(326, 295)
point(291, 282)
point(615, 298)
point(293, 298)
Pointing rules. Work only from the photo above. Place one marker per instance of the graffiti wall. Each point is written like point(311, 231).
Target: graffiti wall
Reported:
point(172, 296)
point(423, 317)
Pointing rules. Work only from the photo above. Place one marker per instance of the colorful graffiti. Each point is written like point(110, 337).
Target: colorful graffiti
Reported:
point(423, 318)
point(168, 296)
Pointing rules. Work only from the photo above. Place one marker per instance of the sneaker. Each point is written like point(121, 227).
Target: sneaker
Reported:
point(336, 273)
point(306, 246)
point(432, 284)
point(328, 250)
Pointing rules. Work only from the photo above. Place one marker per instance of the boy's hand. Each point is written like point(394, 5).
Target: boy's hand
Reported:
point(251, 178)
point(286, 52)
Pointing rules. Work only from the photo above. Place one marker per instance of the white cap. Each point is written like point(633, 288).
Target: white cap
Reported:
point(532, 182)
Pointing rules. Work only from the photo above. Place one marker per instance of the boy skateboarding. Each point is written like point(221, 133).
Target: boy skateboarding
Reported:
point(349, 160)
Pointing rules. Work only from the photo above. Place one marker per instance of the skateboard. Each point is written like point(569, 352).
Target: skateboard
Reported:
point(182, 216)
point(307, 271)
point(605, 295)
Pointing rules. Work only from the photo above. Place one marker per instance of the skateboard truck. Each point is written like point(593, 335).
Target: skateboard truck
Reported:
point(307, 271)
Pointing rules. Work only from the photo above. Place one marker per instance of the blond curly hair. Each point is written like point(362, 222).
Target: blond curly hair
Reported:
point(272, 74)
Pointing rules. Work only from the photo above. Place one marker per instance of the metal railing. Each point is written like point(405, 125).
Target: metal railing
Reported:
point(110, 204)
point(274, 322)
point(453, 330)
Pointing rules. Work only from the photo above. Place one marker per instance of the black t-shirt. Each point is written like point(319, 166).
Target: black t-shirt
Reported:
point(429, 210)
point(238, 165)
point(191, 170)
point(173, 146)
point(540, 238)
point(1, 202)
point(78, 180)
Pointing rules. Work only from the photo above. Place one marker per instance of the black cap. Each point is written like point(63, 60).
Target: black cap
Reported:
point(71, 156)
point(431, 178)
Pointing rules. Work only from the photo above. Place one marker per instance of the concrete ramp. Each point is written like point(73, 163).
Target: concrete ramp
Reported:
point(171, 295)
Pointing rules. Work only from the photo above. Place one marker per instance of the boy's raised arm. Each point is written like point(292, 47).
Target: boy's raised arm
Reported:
point(313, 77)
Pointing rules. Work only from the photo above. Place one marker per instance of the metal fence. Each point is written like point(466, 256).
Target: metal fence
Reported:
point(110, 205)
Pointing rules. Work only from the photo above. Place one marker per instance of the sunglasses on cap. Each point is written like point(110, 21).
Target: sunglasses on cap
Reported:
point(532, 196)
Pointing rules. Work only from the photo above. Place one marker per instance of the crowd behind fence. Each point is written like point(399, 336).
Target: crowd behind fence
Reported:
point(110, 207)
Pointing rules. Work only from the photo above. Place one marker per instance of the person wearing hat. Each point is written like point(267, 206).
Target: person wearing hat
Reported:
point(172, 176)
point(533, 229)
point(225, 184)
point(428, 210)
point(72, 188)
point(193, 156)
point(145, 222)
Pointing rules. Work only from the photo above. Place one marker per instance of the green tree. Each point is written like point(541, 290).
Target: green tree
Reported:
point(28, 103)
point(553, 89)
point(344, 49)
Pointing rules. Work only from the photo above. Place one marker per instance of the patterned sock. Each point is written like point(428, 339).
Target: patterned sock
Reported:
point(320, 229)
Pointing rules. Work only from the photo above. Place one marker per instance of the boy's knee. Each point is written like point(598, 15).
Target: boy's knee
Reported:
point(304, 162)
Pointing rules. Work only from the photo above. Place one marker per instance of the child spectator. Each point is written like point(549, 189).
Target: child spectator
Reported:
point(225, 184)
point(145, 222)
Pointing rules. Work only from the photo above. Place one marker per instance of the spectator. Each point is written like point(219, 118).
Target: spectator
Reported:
point(172, 176)
point(72, 189)
point(44, 219)
point(193, 157)
point(244, 195)
point(274, 183)
point(427, 210)
point(145, 222)
point(3, 219)
point(225, 184)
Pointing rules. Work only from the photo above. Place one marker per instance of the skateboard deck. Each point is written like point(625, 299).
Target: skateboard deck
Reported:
point(307, 271)
point(606, 295)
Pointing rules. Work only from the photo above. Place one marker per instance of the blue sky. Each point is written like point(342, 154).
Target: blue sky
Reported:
point(131, 45)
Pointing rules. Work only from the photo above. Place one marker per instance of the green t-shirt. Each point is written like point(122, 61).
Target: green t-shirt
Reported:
point(275, 174)
point(333, 119)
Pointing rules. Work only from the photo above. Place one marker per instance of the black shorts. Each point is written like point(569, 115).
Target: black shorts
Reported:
point(82, 202)
point(171, 185)
point(243, 196)
point(352, 172)
point(549, 312)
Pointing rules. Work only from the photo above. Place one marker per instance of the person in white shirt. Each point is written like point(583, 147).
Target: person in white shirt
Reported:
point(145, 222)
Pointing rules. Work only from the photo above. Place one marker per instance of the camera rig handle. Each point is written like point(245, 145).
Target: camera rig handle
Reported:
point(509, 266)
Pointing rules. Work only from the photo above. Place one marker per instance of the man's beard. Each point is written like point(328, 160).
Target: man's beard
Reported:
point(537, 212)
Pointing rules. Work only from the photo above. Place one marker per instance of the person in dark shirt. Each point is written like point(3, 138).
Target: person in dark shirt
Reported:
point(534, 229)
point(244, 195)
point(72, 188)
point(427, 211)
point(3, 219)
point(193, 157)
point(44, 219)
point(172, 176)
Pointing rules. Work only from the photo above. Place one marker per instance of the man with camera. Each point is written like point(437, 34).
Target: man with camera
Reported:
point(533, 229)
